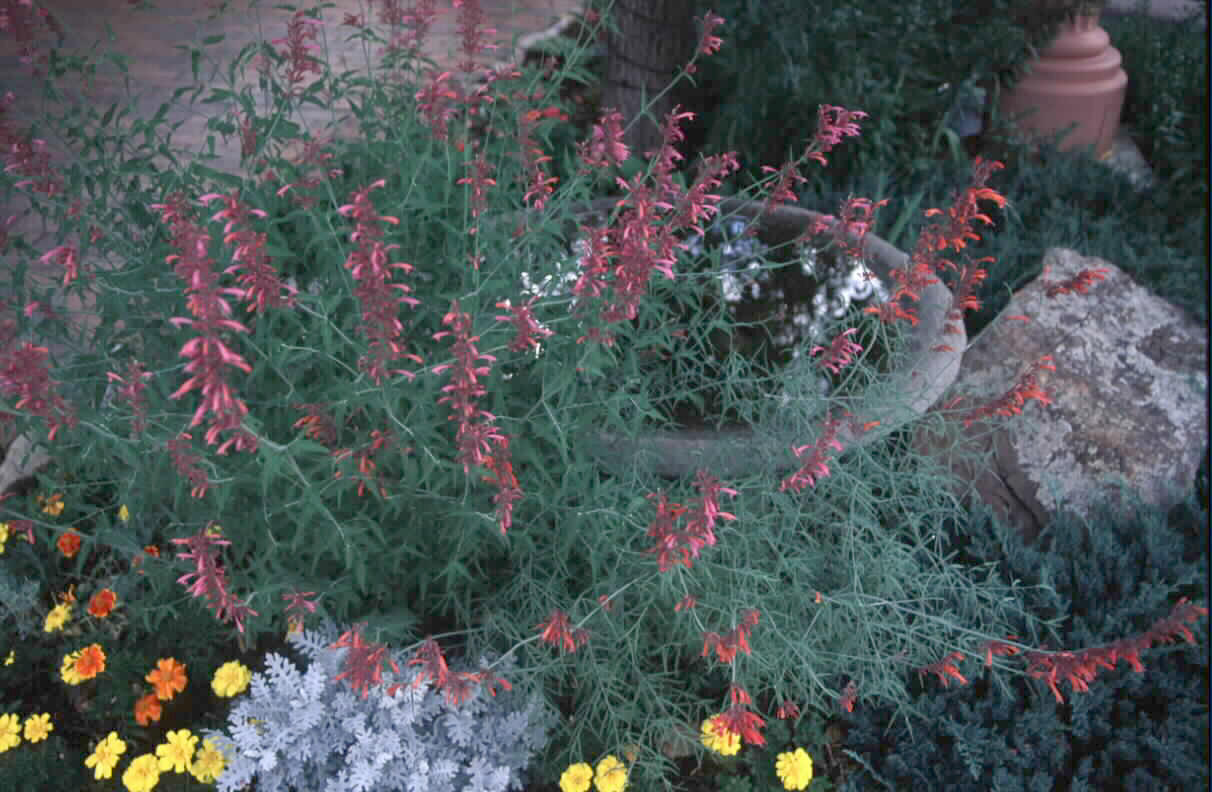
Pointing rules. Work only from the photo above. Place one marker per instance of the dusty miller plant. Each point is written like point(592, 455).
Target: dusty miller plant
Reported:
point(302, 729)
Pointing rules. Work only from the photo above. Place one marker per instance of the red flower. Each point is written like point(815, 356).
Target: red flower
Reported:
point(472, 32)
point(840, 351)
point(1012, 401)
point(833, 124)
point(557, 633)
point(786, 710)
point(262, 286)
point(476, 432)
point(605, 147)
point(686, 603)
point(1079, 283)
point(783, 190)
point(317, 424)
point(362, 661)
point(945, 668)
point(998, 648)
point(69, 544)
point(478, 181)
point(368, 264)
point(524, 323)
point(815, 466)
point(148, 709)
point(102, 603)
point(957, 230)
point(132, 393)
point(300, 30)
point(298, 599)
point(709, 44)
point(699, 528)
point(187, 464)
point(25, 377)
point(90, 662)
point(207, 353)
point(434, 103)
point(67, 256)
point(736, 639)
point(210, 581)
point(739, 720)
point(366, 464)
point(849, 696)
point(433, 664)
point(540, 184)
point(500, 467)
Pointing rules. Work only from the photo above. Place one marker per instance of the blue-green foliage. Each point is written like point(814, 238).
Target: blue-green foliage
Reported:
point(302, 730)
point(1115, 576)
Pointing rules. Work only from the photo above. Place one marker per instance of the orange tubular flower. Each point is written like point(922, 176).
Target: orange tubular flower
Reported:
point(557, 633)
point(168, 679)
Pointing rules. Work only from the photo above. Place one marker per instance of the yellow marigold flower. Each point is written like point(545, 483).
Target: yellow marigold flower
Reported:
point(105, 756)
point(208, 764)
point(68, 671)
point(178, 753)
point(37, 727)
point(722, 741)
point(57, 617)
point(4, 534)
point(576, 778)
point(143, 774)
point(794, 769)
point(10, 732)
point(123, 513)
point(611, 775)
point(12, 656)
point(231, 679)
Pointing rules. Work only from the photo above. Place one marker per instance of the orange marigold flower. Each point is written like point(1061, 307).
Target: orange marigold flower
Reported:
point(147, 710)
point(69, 544)
point(102, 603)
point(52, 505)
point(150, 550)
point(90, 662)
point(168, 678)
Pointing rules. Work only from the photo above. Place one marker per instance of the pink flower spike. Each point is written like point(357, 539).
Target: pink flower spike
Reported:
point(709, 44)
point(833, 124)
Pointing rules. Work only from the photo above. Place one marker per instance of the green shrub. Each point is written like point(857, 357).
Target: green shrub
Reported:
point(1113, 574)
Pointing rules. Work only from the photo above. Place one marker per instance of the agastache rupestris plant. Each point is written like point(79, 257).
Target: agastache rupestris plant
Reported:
point(337, 365)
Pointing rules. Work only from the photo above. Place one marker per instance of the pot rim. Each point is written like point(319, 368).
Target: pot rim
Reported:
point(930, 363)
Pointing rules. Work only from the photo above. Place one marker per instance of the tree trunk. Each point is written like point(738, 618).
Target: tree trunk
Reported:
point(655, 39)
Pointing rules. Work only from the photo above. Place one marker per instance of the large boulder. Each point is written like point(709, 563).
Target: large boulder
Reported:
point(1129, 398)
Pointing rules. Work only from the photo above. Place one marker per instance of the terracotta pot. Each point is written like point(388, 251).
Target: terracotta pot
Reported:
point(926, 366)
point(1077, 79)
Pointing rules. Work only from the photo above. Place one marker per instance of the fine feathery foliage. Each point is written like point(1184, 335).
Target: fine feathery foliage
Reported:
point(303, 731)
point(1133, 729)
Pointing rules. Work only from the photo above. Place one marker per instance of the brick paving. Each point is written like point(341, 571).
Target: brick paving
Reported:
point(150, 39)
point(156, 41)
